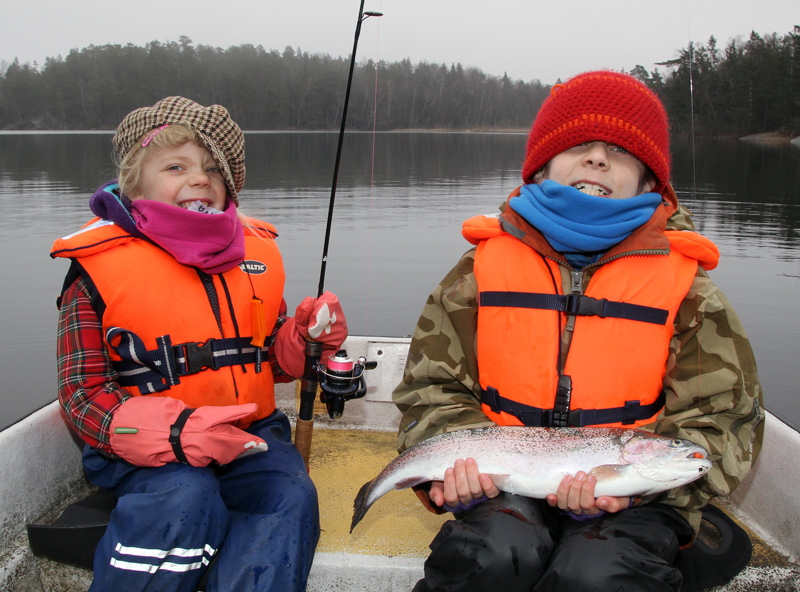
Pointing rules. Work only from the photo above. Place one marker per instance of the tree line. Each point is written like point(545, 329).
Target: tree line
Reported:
point(749, 87)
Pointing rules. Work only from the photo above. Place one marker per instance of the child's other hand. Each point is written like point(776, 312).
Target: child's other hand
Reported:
point(576, 495)
point(322, 319)
point(152, 431)
point(463, 485)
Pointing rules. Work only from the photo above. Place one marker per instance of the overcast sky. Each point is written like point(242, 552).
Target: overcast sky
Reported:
point(527, 39)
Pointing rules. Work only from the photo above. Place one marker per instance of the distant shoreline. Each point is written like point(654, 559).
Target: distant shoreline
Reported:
point(293, 131)
point(766, 138)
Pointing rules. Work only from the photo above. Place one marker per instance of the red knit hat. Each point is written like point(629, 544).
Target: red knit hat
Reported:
point(606, 106)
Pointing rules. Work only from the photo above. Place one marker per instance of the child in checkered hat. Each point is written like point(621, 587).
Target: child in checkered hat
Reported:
point(585, 302)
point(172, 334)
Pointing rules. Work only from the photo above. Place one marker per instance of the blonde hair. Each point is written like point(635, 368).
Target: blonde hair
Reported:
point(129, 167)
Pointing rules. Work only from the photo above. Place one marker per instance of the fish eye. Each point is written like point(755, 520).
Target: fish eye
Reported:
point(676, 443)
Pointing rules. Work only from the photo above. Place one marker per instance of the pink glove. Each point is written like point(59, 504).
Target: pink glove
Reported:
point(319, 319)
point(142, 426)
point(322, 319)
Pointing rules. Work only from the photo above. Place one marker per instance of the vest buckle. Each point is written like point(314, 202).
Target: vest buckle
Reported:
point(631, 412)
point(199, 356)
point(585, 306)
point(560, 419)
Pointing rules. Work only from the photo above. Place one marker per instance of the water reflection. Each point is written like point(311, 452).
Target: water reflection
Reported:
point(743, 190)
point(396, 231)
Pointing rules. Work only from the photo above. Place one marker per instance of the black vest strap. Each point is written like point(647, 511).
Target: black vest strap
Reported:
point(531, 416)
point(576, 304)
point(158, 369)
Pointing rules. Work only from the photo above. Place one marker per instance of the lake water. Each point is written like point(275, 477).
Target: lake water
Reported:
point(396, 232)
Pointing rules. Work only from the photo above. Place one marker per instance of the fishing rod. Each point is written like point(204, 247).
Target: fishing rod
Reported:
point(342, 379)
point(362, 16)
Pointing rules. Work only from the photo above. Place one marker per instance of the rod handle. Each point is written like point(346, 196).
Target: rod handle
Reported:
point(304, 430)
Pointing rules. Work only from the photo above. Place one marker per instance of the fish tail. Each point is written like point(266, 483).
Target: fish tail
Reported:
point(360, 505)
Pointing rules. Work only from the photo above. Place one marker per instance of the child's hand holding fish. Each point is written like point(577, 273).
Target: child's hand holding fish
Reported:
point(464, 484)
point(576, 495)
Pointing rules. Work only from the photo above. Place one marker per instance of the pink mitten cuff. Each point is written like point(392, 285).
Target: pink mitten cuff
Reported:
point(290, 349)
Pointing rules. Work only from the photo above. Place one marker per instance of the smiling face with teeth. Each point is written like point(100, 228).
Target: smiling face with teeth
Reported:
point(180, 175)
point(599, 168)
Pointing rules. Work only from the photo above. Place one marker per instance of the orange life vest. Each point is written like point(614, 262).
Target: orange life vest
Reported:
point(616, 363)
point(174, 331)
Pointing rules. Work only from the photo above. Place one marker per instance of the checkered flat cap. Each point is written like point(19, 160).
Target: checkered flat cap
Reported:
point(218, 132)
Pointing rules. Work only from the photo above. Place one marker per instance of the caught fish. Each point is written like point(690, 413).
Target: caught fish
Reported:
point(533, 461)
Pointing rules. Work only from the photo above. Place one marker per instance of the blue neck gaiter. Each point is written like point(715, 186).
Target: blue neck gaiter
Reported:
point(574, 222)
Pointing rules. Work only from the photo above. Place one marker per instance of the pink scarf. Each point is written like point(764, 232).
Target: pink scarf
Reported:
point(213, 243)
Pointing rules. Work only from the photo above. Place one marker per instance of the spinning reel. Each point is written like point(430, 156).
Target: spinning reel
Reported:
point(342, 380)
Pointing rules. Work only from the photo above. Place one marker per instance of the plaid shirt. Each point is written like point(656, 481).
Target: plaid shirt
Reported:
point(87, 383)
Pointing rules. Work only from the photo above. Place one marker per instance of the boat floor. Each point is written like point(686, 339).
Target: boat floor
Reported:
point(387, 549)
point(398, 527)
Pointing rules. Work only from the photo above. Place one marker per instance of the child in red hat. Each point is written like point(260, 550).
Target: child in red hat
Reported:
point(585, 302)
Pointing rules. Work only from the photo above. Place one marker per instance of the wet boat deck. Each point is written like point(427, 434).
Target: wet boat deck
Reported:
point(398, 529)
point(387, 549)
point(396, 526)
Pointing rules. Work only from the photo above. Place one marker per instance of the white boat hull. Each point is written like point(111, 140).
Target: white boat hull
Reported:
point(42, 464)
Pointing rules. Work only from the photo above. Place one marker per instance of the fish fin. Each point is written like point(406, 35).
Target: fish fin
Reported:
point(499, 479)
point(648, 472)
point(360, 506)
point(410, 482)
point(608, 472)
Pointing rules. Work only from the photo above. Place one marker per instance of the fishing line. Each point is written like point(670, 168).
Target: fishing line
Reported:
point(362, 16)
point(368, 288)
point(691, 99)
point(694, 165)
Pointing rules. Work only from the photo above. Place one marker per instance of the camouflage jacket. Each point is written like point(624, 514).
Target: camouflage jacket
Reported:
point(713, 393)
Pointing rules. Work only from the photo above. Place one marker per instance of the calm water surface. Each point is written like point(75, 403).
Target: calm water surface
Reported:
point(395, 234)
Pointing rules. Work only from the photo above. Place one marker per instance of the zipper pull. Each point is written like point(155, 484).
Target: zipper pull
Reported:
point(576, 287)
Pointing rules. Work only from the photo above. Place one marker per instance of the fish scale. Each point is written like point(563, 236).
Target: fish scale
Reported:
point(533, 461)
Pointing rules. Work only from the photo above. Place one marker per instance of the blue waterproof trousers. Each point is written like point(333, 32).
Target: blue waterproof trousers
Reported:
point(254, 523)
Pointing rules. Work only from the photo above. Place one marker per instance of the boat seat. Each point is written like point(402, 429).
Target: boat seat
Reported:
point(73, 537)
point(722, 549)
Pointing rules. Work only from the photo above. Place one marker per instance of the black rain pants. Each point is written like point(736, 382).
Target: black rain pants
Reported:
point(513, 543)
